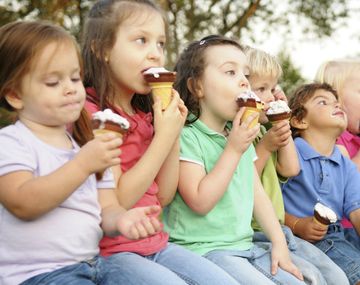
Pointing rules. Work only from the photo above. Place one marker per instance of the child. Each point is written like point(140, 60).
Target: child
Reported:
point(122, 40)
point(325, 176)
point(276, 153)
point(218, 187)
point(343, 76)
point(49, 213)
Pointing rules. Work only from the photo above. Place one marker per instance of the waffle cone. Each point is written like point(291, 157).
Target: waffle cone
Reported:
point(98, 132)
point(163, 91)
point(247, 113)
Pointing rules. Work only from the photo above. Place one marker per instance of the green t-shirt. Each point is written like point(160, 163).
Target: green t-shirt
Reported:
point(228, 224)
point(270, 182)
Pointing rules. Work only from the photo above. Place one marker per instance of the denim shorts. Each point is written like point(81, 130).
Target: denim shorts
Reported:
point(342, 252)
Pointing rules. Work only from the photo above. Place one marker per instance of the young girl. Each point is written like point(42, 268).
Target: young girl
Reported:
point(344, 77)
point(50, 216)
point(122, 40)
point(219, 189)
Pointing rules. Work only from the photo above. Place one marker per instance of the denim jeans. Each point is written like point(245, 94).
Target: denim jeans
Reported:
point(342, 252)
point(316, 267)
point(352, 236)
point(174, 265)
point(251, 267)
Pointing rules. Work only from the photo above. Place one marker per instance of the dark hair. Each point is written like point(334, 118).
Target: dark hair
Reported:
point(302, 95)
point(99, 37)
point(191, 65)
point(21, 43)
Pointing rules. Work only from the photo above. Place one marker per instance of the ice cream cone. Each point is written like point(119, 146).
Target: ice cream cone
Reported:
point(99, 132)
point(162, 90)
point(160, 80)
point(324, 215)
point(249, 111)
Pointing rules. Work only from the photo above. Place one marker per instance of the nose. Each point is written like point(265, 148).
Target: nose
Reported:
point(155, 52)
point(244, 83)
point(269, 96)
point(70, 88)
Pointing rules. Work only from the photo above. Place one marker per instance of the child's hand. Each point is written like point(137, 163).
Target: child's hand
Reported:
point(241, 136)
point(309, 230)
point(278, 136)
point(169, 123)
point(279, 94)
point(139, 222)
point(280, 257)
point(100, 153)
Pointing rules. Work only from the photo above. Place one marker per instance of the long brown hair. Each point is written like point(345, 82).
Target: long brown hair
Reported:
point(191, 65)
point(99, 37)
point(21, 43)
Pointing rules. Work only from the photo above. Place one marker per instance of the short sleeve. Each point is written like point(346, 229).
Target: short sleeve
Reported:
point(107, 181)
point(352, 188)
point(15, 154)
point(190, 147)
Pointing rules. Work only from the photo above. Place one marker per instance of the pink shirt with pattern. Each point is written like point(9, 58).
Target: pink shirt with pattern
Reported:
point(135, 144)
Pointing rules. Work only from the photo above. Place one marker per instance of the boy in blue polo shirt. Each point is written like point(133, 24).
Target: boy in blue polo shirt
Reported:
point(325, 176)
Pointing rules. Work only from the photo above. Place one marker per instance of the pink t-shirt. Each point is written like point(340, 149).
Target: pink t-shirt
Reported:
point(135, 143)
point(352, 144)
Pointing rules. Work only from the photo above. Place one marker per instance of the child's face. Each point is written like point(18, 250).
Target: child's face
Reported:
point(223, 80)
point(350, 95)
point(139, 45)
point(52, 93)
point(264, 87)
point(324, 113)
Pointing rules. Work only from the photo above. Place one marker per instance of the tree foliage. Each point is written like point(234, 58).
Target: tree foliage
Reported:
point(193, 19)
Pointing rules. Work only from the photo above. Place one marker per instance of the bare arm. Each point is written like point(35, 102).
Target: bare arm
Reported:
point(134, 183)
point(133, 224)
point(266, 217)
point(28, 197)
point(168, 176)
point(194, 182)
point(288, 162)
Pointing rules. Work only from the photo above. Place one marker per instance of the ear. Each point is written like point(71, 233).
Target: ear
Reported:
point(195, 87)
point(299, 124)
point(14, 100)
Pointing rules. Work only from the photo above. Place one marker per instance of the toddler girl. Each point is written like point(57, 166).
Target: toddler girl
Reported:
point(49, 211)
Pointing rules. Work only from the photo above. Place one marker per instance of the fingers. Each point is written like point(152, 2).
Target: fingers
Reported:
point(152, 210)
point(274, 266)
point(295, 271)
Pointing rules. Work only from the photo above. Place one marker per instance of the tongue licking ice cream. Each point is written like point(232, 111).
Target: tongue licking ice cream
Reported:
point(107, 121)
point(252, 103)
point(161, 82)
point(278, 111)
point(324, 215)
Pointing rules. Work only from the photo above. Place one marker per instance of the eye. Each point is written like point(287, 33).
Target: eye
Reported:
point(141, 40)
point(273, 91)
point(230, 72)
point(161, 44)
point(261, 89)
point(322, 102)
point(52, 83)
point(75, 79)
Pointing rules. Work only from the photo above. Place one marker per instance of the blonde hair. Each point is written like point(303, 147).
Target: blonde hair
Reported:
point(262, 63)
point(336, 72)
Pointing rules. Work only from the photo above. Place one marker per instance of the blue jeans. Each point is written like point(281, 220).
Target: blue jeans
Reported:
point(316, 267)
point(174, 265)
point(251, 267)
point(342, 252)
point(352, 236)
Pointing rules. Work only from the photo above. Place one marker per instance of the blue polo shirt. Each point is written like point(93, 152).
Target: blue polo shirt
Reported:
point(333, 181)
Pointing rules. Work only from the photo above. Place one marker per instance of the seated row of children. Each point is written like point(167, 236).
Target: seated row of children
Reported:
point(238, 197)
